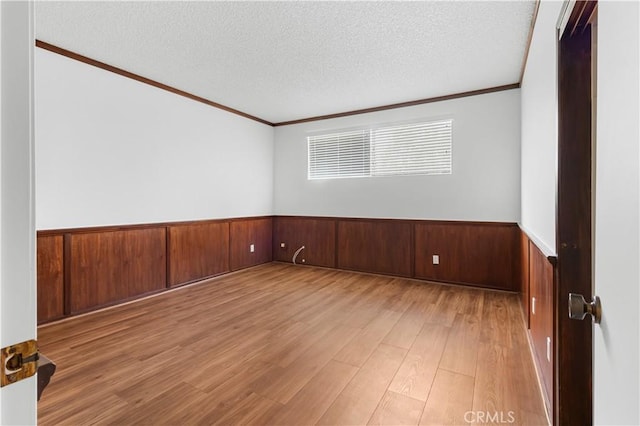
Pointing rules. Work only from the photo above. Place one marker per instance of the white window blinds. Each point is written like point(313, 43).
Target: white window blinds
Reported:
point(412, 149)
point(416, 149)
point(339, 155)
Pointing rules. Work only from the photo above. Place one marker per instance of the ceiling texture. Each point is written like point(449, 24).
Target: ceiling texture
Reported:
point(284, 61)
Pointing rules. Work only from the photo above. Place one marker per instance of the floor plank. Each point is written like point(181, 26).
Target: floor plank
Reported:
point(253, 410)
point(416, 374)
point(313, 400)
point(166, 408)
point(363, 345)
point(396, 410)
point(404, 333)
point(461, 352)
point(357, 402)
point(449, 401)
point(281, 384)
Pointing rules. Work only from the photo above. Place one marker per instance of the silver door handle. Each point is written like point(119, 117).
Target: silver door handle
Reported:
point(579, 308)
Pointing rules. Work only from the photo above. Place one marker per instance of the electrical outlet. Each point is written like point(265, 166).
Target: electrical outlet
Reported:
point(436, 259)
point(282, 245)
point(252, 248)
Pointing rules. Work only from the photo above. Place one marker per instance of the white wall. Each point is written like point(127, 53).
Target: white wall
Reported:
point(484, 186)
point(616, 382)
point(540, 131)
point(110, 150)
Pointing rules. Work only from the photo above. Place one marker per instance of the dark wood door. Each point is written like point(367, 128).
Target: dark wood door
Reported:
point(576, 90)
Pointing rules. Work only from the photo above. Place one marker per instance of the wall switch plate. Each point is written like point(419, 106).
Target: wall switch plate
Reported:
point(282, 245)
point(533, 305)
point(436, 259)
point(548, 348)
point(252, 248)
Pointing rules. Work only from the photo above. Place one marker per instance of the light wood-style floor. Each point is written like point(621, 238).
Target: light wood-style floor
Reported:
point(283, 344)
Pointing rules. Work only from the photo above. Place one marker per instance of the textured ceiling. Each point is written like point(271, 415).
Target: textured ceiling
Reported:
point(283, 61)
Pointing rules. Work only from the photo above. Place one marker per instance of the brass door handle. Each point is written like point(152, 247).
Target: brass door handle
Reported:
point(18, 361)
point(579, 308)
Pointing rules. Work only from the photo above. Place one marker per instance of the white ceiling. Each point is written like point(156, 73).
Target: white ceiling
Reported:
point(283, 61)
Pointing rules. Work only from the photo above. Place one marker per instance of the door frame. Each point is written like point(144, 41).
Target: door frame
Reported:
point(573, 390)
point(17, 201)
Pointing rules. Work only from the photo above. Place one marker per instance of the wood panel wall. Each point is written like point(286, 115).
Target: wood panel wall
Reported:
point(247, 232)
point(524, 277)
point(101, 266)
point(50, 265)
point(317, 235)
point(197, 251)
point(108, 267)
point(479, 254)
point(539, 287)
point(379, 246)
point(84, 269)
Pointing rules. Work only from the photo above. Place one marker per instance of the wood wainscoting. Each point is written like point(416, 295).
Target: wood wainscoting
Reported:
point(378, 246)
point(317, 235)
point(50, 279)
point(247, 232)
point(104, 268)
point(83, 269)
point(481, 254)
point(524, 279)
point(197, 251)
point(539, 288)
point(88, 268)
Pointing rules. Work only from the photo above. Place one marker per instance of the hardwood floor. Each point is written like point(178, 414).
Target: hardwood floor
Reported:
point(284, 344)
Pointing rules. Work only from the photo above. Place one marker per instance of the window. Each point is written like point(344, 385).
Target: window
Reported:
point(409, 149)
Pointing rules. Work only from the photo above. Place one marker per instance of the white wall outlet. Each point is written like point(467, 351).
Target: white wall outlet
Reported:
point(548, 348)
point(252, 248)
point(436, 259)
point(533, 305)
point(282, 245)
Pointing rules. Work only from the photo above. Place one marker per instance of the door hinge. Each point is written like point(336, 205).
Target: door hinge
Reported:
point(19, 362)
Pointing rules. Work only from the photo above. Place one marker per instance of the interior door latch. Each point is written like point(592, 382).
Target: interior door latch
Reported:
point(19, 362)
